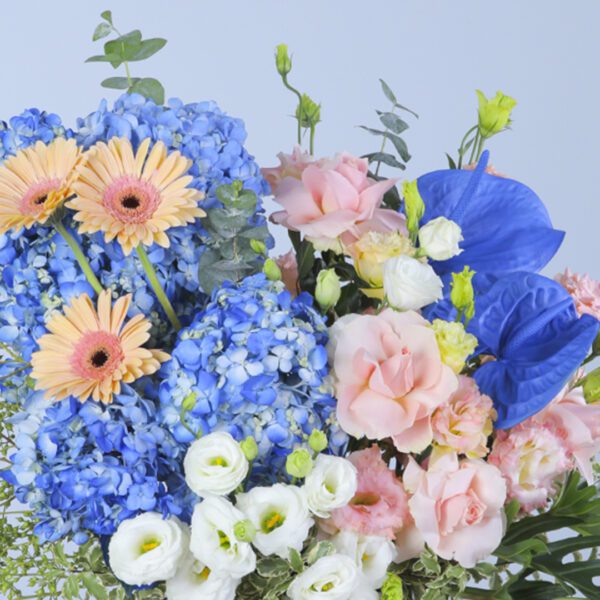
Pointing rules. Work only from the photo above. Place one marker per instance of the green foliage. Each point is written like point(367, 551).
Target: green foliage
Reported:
point(231, 252)
point(124, 49)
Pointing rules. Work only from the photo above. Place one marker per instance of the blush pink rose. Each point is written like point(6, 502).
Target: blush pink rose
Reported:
point(331, 198)
point(389, 377)
point(531, 458)
point(288, 266)
point(380, 505)
point(577, 424)
point(291, 165)
point(464, 423)
point(584, 290)
point(458, 507)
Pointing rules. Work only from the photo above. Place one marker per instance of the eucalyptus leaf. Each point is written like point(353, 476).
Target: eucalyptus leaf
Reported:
point(392, 122)
point(118, 83)
point(107, 16)
point(400, 146)
point(151, 88)
point(387, 159)
point(101, 31)
point(124, 46)
point(387, 90)
point(147, 48)
point(110, 58)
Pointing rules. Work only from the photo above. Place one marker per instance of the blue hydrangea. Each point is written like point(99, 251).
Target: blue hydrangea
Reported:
point(89, 466)
point(253, 363)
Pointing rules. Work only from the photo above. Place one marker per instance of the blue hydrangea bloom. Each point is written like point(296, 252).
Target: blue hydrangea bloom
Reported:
point(505, 226)
point(253, 363)
point(529, 323)
point(89, 466)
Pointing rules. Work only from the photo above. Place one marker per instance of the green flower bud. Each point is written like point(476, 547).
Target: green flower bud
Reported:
point(272, 270)
point(494, 113)
point(282, 60)
point(317, 440)
point(308, 112)
point(462, 294)
point(455, 344)
point(189, 402)
point(414, 207)
point(591, 386)
point(258, 247)
point(328, 290)
point(392, 588)
point(244, 531)
point(249, 448)
point(299, 463)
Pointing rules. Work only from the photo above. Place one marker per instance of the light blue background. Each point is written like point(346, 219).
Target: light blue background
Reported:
point(434, 54)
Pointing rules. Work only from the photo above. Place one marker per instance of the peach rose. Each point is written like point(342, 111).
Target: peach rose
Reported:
point(288, 265)
point(331, 198)
point(389, 377)
point(291, 165)
point(584, 290)
point(458, 507)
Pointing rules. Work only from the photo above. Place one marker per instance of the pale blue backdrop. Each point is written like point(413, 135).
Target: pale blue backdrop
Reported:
point(434, 53)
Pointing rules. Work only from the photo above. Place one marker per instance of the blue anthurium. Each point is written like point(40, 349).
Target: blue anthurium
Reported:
point(529, 323)
point(505, 226)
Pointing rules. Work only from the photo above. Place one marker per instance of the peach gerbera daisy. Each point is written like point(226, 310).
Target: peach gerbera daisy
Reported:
point(89, 353)
point(134, 197)
point(35, 181)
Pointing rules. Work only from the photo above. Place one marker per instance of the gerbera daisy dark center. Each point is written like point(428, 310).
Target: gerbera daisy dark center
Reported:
point(41, 199)
point(99, 358)
point(97, 355)
point(130, 202)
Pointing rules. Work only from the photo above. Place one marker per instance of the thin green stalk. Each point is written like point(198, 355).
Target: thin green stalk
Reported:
point(474, 148)
point(479, 148)
point(461, 150)
point(295, 91)
point(383, 143)
point(157, 287)
point(80, 256)
point(312, 140)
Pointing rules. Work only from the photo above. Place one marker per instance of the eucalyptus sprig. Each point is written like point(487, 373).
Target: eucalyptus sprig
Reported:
point(125, 49)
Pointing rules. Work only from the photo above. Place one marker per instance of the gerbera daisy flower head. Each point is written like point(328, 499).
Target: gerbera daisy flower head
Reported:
point(35, 181)
point(89, 352)
point(134, 197)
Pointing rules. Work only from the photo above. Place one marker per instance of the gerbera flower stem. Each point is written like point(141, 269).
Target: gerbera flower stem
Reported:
point(80, 256)
point(157, 287)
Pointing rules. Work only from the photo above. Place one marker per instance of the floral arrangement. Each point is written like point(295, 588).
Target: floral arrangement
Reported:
point(397, 408)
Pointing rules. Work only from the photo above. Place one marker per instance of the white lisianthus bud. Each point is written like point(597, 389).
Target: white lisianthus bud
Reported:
point(330, 485)
point(195, 580)
point(440, 237)
point(215, 464)
point(372, 554)
point(410, 284)
point(333, 577)
point(280, 515)
point(214, 542)
point(147, 548)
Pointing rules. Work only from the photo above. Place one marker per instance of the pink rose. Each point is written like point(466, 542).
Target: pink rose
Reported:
point(577, 424)
point(380, 505)
point(584, 290)
point(330, 199)
point(289, 271)
point(458, 507)
point(531, 458)
point(292, 165)
point(389, 377)
point(464, 423)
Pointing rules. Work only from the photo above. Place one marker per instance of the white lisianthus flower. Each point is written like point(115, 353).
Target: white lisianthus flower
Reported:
point(330, 485)
point(213, 540)
point(215, 464)
point(195, 580)
point(410, 284)
point(280, 515)
point(372, 554)
point(333, 577)
point(147, 548)
point(440, 238)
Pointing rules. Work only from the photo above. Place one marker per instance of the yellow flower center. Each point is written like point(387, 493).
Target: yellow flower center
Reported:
point(224, 540)
point(149, 545)
point(272, 521)
point(219, 461)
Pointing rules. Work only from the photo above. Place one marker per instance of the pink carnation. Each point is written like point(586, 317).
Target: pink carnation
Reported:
point(464, 423)
point(380, 505)
point(458, 507)
point(531, 457)
point(577, 424)
point(584, 290)
point(288, 266)
point(292, 165)
point(389, 377)
point(331, 198)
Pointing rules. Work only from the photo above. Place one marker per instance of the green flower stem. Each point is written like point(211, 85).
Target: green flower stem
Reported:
point(474, 148)
point(479, 148)
point(158, 290)
point(461, 149)
point(80, 256)
point(295, 91)
point(312, 140)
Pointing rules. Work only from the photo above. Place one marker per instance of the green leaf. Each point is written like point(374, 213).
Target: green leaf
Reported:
point(392, 122)
point(94, 586)
point(513, 507)
point(111, 58)
point(537, 590)
point(71, 587)
point(400, 146)
point(451, 162)
point(522, 552)
point(306, 259)
point(319, 550)
point(101, 31)
point(387, 90)
point(387, 159)
point(151, 88)
point(118, 83)
point(296, 560)
point(391, 199)
point(272, 566)
point(107, 16)
point(147, 48)
point(125, 46)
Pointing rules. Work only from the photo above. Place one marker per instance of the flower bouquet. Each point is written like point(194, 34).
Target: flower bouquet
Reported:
point(396, 408)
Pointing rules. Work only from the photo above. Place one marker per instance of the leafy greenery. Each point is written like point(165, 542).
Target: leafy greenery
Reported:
point(234, 245)
point(124, 49)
